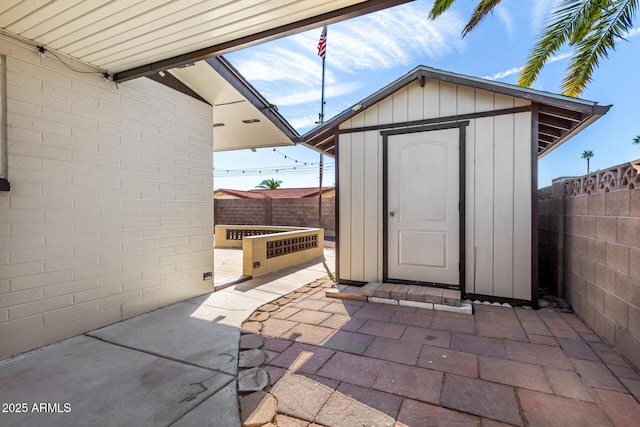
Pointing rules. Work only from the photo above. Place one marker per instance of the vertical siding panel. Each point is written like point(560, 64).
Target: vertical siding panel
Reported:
point(522, 208)
point(448, 99)
point(484, 196)
point(385, 115)
point(431, 98)
point(373, 193)
point(345, 206)
point(357, 200)
point(503, 199)
point(415, 102)
point(400, 106)
point(466, 104)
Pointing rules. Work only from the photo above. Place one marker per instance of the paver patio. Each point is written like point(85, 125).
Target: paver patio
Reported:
point(345, 363)
point(330, 362)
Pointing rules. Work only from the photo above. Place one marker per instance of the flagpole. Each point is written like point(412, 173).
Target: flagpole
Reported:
point(320, 122)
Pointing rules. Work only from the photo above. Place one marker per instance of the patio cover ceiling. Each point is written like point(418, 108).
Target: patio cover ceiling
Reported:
point(559, 117)
point(136, 38)
point(133, 38)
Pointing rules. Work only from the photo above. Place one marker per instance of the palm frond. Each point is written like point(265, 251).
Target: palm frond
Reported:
point(569, 18)
point(439, 7)
point(483, 8)
point(614, 21)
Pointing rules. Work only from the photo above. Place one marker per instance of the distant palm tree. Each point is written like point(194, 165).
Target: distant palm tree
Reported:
point(592, 27)
point(269, 184)
point(587, 155)
point(636, 140)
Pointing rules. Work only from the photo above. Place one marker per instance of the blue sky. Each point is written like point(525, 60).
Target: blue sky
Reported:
point(367, 53)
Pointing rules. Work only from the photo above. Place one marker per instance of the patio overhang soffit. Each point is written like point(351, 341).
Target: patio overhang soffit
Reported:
point(559, 117)
point(182, 39)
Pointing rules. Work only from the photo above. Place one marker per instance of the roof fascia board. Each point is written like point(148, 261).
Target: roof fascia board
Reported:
point(533, 95)
point(589, 107)
point(328, 18)
point(575, 104)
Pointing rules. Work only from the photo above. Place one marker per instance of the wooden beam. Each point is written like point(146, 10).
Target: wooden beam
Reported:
point(557, 122)
point(546, 138)
point(547, 130)
point(574, 116)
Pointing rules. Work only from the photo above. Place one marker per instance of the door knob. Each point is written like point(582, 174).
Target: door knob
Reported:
point(392, 213)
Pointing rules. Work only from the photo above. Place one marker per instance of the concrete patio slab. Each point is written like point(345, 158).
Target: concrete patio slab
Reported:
point(217, 411)
point(170, 332)
point(104, 384)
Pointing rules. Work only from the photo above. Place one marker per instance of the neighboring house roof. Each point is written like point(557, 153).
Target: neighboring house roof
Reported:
point(559, 117)
point(279, 193)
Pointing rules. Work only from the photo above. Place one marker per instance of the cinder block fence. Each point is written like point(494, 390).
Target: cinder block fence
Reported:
point(287, 212)
point(589, 242)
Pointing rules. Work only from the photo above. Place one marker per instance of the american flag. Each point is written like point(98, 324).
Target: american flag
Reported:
point(322, 44)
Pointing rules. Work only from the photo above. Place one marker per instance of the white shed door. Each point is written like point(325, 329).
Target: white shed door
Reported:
point(423, 199)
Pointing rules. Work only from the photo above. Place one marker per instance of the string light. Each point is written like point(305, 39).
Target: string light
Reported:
point(288, 157)
point(289, 170)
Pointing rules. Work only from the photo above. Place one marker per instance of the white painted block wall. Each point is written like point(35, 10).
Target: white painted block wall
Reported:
point(110, 212)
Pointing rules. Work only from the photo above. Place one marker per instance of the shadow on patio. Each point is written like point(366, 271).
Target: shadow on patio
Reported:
point(174, 366)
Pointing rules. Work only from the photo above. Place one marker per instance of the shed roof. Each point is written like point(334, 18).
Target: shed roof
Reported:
point(559, 117)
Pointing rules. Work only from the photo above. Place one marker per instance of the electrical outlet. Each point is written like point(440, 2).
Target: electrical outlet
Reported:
point(208, 275)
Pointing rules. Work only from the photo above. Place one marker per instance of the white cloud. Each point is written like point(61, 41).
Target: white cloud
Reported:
point(313, 95)
point(511, 71)
point(392, 38)
point(632, 33)
point(276, 63)
point(505, 18)
point(376, 41)
point(540, 12)
point(305, 122)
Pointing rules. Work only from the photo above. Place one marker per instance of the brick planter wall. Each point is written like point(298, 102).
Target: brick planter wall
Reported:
point(589, 243)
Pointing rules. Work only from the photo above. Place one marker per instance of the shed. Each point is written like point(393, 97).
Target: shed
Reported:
point(437, 182)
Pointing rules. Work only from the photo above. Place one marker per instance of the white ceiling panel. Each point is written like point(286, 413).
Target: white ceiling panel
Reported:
point(120, 35)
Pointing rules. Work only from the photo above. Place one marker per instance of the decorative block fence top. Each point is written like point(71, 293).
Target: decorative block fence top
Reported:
point(622, 177)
